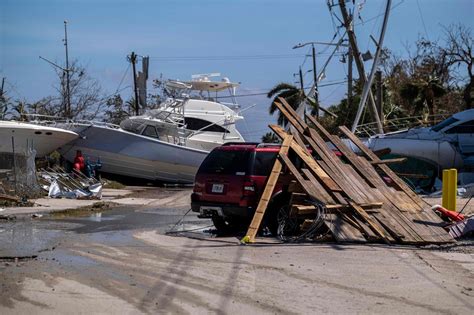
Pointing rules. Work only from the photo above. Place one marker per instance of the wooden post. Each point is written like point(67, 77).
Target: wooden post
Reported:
point(267, 194)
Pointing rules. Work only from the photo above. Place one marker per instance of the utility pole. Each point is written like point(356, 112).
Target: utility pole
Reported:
point(133, 59)
point(315, 75)
point(67, 70)
point(358, 60)
point(349, 77)
point(1, 90)
point(379, 95)
point(301, 81)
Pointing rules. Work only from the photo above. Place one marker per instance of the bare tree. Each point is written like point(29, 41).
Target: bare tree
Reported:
point(87, 101)
point(117, 110)
point(459, 51)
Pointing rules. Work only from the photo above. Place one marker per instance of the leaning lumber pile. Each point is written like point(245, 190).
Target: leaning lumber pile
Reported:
point(363, 199)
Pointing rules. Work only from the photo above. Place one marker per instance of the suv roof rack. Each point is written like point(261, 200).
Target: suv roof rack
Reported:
point(268, 145)
point(240, 143)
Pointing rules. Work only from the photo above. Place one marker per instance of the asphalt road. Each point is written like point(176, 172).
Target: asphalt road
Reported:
point(123, 261)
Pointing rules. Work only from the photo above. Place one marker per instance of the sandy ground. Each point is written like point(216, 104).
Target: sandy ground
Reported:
point(123, 262)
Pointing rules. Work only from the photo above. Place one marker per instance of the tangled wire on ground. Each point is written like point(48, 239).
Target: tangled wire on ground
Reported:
point(288, 228)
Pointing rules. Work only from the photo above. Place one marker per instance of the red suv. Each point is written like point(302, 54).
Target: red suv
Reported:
point(230, 181)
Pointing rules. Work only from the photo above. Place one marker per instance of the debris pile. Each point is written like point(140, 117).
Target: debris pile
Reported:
point(60, 184)
point(356, 198)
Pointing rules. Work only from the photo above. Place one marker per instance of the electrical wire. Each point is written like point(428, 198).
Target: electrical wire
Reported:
point(377, 16)
point(123, 78)
point(376, 22)
point(422, 19)
point(286, 225)
point(235, 57)
point(306, 88)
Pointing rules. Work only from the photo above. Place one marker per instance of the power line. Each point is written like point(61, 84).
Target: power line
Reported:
point(265, 93)
point(123, 78)
point(225, 58)
point(422, 19)
point(377, 16)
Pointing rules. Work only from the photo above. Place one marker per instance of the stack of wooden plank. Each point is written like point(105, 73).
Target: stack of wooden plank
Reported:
point(364, 199)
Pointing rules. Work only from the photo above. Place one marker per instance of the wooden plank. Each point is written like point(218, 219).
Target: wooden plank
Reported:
point(412, 227)
point(412, 224)
point(326, 167)
point(372, 223)
point(290, 118)
point(294, 187)
point(267, 193)
point(301, 198)
point(336, 196)
point(348, 153)
point(342, 230)
point(366, 231)
point(315, 168)
point(304, 209)
point(373, 179)
point(372, 157)
point(309, 161)
point(298, 139)
point(307, 187)
point(359, 192)
point(389, 161)
point(322, 194)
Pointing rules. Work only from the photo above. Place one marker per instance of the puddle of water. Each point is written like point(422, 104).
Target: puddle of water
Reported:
point(26, 239)
point(72, 259)
point(112, 227)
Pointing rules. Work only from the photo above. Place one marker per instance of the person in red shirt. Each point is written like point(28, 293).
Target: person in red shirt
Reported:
point(79, 162)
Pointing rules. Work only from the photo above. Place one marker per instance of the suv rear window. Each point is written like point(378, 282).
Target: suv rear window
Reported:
point(263, 163)
point(228, 162)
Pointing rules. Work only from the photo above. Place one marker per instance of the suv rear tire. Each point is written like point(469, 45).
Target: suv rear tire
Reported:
point(273, 211)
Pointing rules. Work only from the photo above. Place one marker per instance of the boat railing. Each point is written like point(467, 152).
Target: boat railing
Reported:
point(397, 124)
point(53, 121)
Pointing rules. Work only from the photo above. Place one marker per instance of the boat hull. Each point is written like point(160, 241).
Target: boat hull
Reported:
point(440, 153)
point(128, 154)
point(24, 136)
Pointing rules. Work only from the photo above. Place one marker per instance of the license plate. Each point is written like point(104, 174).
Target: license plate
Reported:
point(217, 188)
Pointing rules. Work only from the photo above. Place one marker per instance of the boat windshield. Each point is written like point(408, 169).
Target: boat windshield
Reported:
point(444, 123)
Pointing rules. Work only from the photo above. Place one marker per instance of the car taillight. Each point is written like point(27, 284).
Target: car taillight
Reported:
point(197, 189)
point(249, 188)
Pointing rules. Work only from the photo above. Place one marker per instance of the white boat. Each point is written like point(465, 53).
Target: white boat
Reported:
point(165, 144)
point(19, 137)
point(449, 144)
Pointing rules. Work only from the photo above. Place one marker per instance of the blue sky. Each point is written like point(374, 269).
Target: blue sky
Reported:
point(103, 32)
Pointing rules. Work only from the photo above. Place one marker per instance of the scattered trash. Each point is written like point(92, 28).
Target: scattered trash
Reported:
point(60, 184)
point(36, 215)
point(7, 217)
point(462, 191)
point(462, 228)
